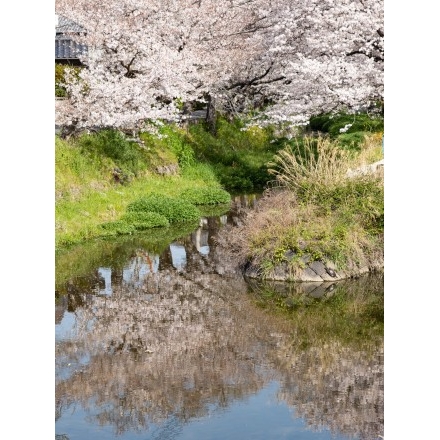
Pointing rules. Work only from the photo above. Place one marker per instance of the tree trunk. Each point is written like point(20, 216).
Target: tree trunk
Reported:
point(211, 117)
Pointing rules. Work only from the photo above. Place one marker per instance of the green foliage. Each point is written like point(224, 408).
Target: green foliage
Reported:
point(238, 137)
point(239, 156)
point(60, 91)
point(358, 199)
point(74, 171)
point(322, 212)
point(176, 140)
point(88, 202)
point(317, 172)
point(239, 175)
point(142, 220)
point(351, 141)
point(119, 227)
point(201, 171)
point(175, 210)
point(134, 221)
point(171, 146)
point(128, 156)
point(353, 126)
point(206, 196)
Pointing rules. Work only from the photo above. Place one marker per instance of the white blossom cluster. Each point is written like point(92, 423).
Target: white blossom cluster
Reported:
point(287, 59)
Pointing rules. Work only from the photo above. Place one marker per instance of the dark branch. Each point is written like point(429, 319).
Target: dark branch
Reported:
point(130, 72)
point(243, 84)
point(376, 57)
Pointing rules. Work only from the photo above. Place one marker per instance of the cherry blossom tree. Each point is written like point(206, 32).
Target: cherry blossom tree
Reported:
point(320, 56)
point(287, 59)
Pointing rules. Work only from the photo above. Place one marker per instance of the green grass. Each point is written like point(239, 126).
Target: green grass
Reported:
point(240, 155)
point(317, 172)
point(98, 175)
point(316, 211)
point(175, 210)
point(348, 129)
point(206, 196)
point(88, 196)
point(134, 221)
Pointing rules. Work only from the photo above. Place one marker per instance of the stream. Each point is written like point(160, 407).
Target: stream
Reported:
point(156, 339)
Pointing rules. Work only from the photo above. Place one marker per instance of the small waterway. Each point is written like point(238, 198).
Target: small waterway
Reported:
point(155, 339)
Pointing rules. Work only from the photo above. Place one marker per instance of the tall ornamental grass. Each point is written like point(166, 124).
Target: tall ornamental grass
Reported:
point(316, 169)
point(316, 210)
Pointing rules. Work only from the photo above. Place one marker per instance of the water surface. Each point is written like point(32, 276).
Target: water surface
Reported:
point(155, 341)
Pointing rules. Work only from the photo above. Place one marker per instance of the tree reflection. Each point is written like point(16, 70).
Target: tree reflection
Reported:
point(152, 356)
point(182, 344)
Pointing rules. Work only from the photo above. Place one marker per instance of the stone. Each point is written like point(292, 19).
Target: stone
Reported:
point(252, 271)
point(289, 254)
point(281, 272)
point(319, 268)
point(305, 258)
point(308, 274)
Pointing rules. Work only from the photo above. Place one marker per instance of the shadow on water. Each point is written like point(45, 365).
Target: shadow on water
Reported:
point(154, 340)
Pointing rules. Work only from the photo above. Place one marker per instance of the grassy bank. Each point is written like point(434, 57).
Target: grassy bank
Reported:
point(315, 211)
point(96, 185)
point(109, 184)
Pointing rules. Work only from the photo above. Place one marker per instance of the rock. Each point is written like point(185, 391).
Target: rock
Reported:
point(363, 270)
point(330, 272)
point(308, 274)
point(289, 254)
point(168, 169)
point(305, 258)
point(281, 272)
point(321, 270)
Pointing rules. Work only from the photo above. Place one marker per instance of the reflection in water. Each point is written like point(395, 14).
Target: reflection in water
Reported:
point(166, 341)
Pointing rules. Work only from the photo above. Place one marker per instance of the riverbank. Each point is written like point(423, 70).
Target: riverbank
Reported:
point(320, 224)
point(318, 221)
point(93, 191)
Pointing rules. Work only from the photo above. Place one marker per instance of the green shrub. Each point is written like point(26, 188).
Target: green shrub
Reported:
point(113, 144)
point(175, 210)
point(333, 124)
point(142, 220)
point(60, 91)
point(237, 137)
point(352, 141)
point(318, 176)
point(239, 155)
point(175, 139)
point(360, 199)
point(311, 167)
point(134, 221)
point(118, 227)
point(206, 196)
point(201, 171)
